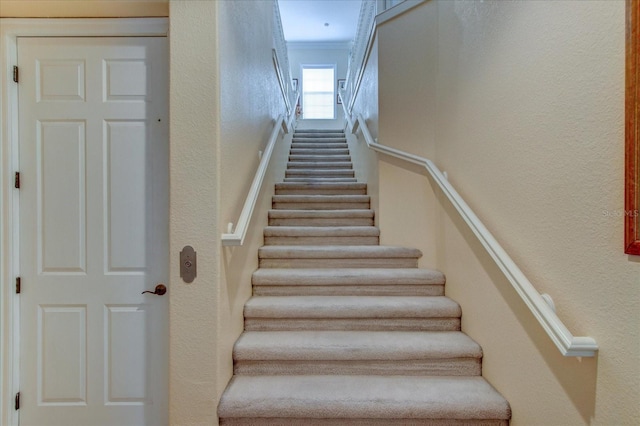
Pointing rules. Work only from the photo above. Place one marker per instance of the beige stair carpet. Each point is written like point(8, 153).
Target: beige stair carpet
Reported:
point(341, 330)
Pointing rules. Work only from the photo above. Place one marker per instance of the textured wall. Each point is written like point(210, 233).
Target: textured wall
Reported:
point(224, 99)
point(82, 8)
point(194, 212)
point(407, 96)
point(251, 100)
point(529, 101)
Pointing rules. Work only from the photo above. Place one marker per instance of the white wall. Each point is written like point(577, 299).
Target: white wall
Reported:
point(321, 54)
point(522, 103)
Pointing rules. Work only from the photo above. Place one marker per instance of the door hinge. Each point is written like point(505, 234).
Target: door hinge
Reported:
point(17, 180)
point(16, 73)
point(17, 401)
point(18, 285)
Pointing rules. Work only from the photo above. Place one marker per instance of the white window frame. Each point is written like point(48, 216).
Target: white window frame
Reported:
point(319, 66)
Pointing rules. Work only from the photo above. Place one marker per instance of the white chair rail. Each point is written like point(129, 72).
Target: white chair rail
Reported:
point(567, 343)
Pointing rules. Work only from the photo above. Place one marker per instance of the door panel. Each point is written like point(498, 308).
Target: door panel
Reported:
point(93, 230)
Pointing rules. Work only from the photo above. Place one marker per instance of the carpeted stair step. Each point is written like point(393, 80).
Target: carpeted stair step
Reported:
point(330, 138)
point(319, 151)
point(361, 217)
point(362, 400)
point(319, 173)
point(319, 158)
point(348, 282)
point(372, 313)
point(320, 202)
point(434, 353)
point(321, 188)
point(334, 134)
point(318, 131)
point(327, 138)
point(319, 165)
point(314, 235)
point(319, 145)
point(338, 257)
point(321, 179)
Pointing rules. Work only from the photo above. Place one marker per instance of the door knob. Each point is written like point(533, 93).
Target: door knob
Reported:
point(160, 290)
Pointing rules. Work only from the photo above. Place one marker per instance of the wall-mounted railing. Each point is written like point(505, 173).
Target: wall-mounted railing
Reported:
point(541, 305)
point(236, 237)
point(236, 232)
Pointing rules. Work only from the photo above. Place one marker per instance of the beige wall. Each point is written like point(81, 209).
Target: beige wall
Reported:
point(82, 8)
point(522, 103)
point(224, 101)
point(251, 100)
point(194, 212)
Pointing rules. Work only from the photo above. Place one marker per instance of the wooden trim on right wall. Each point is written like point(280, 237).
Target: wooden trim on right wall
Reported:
point(632, 151)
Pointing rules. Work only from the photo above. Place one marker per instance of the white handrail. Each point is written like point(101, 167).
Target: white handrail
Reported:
point(236, 238)
point(567, 343)
point(284, 122)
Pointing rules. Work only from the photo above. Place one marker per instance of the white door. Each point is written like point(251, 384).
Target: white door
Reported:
point(93, 231)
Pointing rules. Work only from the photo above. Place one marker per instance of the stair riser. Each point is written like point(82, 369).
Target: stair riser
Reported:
point(348, 290)
point(319, 165)
point(320, 179)
point(327, 158)
point(322, 151)
point(307, 135)
point(424, 367)
point(321, 241)
point(303, 140)
point(342, 324)
point(319, 173)
point(292, 421)
point(303, 221)
point(321, 191)
point(321, 145)
point(339, 263)
point(319, 206)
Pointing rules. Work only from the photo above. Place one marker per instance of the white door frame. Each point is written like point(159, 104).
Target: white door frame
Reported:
point(10, 30)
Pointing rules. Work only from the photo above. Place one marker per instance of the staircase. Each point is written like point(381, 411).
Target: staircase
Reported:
point(341, 330)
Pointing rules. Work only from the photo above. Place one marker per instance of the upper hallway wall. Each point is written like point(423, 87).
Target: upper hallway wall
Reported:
point(522, 103)
point(83, 9)
point(313, 54)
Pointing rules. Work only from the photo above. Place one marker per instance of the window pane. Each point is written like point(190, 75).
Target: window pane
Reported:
point(318, 92)
point(318, 105)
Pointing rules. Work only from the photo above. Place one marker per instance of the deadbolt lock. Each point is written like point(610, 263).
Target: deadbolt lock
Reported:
point(188, 264)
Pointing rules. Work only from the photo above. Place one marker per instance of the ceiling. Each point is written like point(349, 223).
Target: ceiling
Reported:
point(304, 20)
